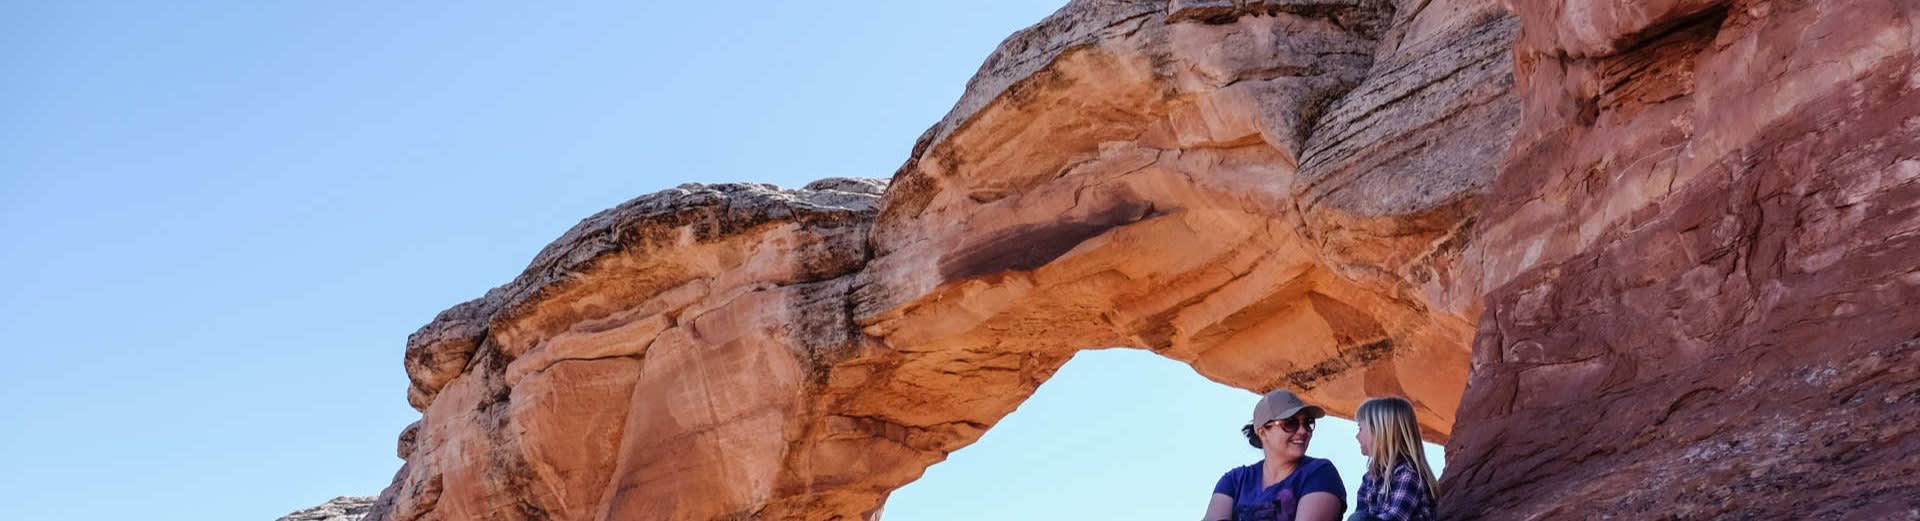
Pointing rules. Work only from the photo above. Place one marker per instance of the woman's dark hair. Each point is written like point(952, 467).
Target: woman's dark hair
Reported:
point(1252, 439)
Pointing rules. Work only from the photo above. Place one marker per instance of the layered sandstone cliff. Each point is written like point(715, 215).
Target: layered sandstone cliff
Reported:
point(1701, 269)
point(1700, 234)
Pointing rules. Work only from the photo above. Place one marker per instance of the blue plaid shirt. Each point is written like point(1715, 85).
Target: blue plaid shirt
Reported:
point(1404, 496)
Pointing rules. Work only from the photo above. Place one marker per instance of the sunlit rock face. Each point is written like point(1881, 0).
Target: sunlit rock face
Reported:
point(1688, 245)
point(1161, 183)
point(1701, 268)
point(655, 361)
point(344, 508)
point(1121, 174)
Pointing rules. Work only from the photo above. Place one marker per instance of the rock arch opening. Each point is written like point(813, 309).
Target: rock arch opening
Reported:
point(721, 351)
point(1117, 433)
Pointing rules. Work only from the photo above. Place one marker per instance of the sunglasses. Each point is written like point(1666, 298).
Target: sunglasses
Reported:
point(1290, 425)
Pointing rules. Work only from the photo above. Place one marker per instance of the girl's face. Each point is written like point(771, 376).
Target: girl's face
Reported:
point(1366, 440)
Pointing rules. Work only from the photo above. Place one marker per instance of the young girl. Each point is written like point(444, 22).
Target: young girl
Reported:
point(1398, 486)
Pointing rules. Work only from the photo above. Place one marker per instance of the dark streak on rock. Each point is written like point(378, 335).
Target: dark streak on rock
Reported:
point(1026, 248)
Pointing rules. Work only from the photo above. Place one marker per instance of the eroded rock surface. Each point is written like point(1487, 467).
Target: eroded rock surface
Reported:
point(649, 361)
point(1701, 236)
point(1123, 174)
point(343, 508)
point(1701, 268)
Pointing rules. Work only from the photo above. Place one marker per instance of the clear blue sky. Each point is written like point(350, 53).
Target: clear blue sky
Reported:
point(219, 221)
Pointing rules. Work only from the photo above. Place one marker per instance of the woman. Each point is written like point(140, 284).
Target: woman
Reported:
point(1287, 485)
point(1398, 485)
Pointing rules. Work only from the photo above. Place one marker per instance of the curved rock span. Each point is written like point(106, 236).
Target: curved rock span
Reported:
point(1649, 262)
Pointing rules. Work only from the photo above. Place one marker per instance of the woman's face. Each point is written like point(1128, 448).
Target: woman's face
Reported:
point(1292, 445)
point(1366, 440)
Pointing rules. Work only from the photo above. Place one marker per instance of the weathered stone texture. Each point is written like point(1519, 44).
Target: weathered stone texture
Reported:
point(1121, 174)
point(343, 508)
point(670, 336)
point(1689, 245)
point(1701, 266)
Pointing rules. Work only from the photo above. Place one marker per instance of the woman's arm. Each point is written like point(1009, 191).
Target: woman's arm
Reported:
point(1320, 506)
point(1220, 508)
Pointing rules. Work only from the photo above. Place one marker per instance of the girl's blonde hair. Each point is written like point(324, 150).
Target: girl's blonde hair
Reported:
point(1396, 439)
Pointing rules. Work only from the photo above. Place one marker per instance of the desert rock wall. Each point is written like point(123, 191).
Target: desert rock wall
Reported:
point(1701, 265)
point(1648, 260)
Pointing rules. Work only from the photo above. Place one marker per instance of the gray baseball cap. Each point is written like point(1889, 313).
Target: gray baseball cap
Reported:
point(1282, 404)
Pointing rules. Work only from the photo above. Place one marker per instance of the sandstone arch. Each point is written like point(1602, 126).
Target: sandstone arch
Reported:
point(1316, 194)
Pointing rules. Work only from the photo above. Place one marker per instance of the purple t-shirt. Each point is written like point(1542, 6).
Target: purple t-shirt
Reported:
point(1280, 502)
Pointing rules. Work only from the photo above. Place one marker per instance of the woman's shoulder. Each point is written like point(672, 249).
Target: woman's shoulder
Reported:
point(1319, 475)
point(1250, 469)
point(1313, 465)
point(1238, 478)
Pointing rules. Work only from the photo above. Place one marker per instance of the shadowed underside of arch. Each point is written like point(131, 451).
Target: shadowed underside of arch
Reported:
point(1300, 194)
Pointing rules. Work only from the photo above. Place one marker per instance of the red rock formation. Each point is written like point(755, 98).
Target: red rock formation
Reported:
point(1701, 267)
point(344, 508)
point(1122, 174)
point(646, 362)
point(1300, 193)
